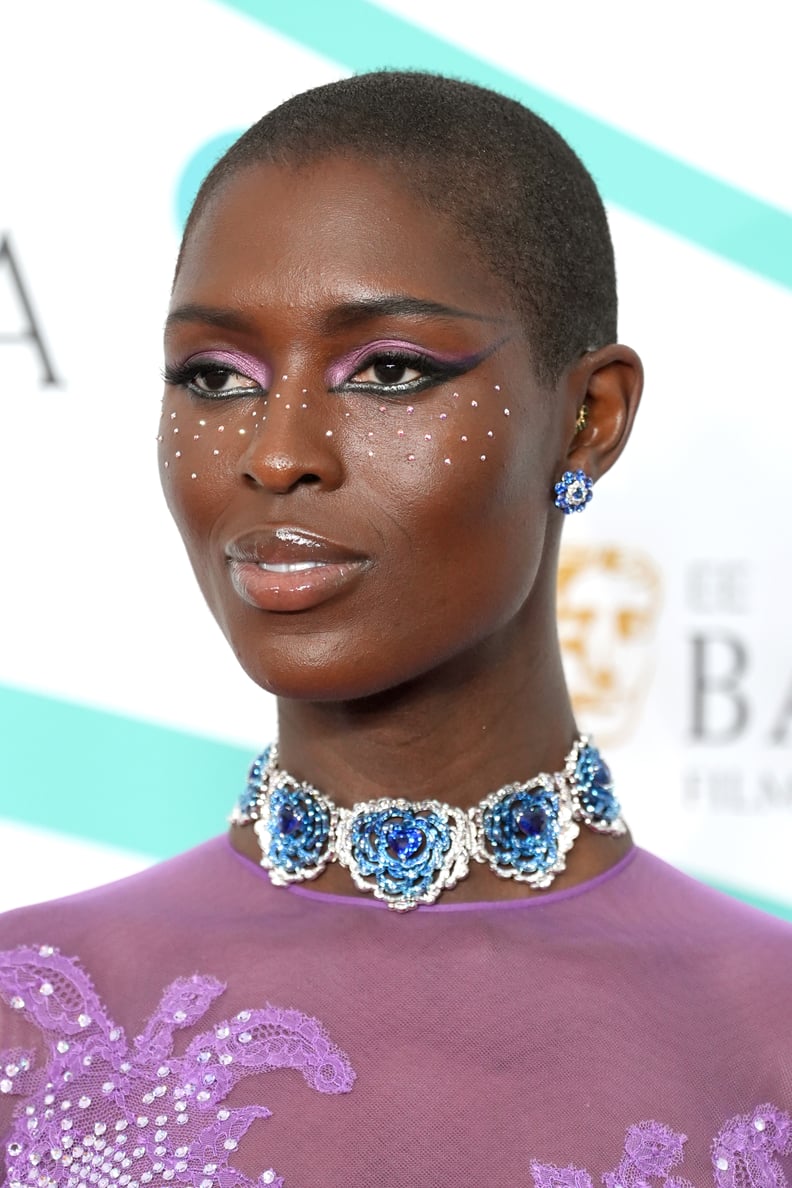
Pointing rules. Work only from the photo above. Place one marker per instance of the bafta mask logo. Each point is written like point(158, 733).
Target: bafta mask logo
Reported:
point(608, 605)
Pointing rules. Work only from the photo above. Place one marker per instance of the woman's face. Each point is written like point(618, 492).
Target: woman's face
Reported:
point(353, 442)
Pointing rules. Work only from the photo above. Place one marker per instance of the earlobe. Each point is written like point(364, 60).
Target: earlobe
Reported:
point(604, 389)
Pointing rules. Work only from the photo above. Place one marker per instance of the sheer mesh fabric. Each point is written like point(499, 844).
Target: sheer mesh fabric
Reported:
point(633, 1032)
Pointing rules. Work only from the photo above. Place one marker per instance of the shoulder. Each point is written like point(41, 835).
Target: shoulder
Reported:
point(738, 951)
point(699, 909)
point(91, 919)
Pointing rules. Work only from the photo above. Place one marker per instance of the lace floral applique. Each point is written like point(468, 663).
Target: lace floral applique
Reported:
point(743, 1156)
point(651, 1150)
point(106, 1112)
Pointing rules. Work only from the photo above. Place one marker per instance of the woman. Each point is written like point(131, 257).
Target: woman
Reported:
point(391, 365)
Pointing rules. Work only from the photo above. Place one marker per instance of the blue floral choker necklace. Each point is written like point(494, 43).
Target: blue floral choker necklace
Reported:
point(408, 852)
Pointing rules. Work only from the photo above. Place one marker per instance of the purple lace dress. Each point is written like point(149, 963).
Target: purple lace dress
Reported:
point(194, 1025)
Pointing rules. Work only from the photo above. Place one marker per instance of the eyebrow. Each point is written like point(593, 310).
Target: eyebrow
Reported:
point(399, 306)
point(226, 319)
point(348, 314)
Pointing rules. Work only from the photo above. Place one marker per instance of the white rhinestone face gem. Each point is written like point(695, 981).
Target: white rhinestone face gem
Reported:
point(62, 1046)
point(179, 1016)
point(84, 1020)
point(722, 1164)
point(17, 1003)
point(46, 988)
point(6, 1086)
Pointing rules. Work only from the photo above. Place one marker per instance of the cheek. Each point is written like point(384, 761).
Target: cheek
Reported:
point(456, 431)
point(199, 447)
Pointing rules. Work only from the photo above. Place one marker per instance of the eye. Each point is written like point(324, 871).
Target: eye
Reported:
point(211, 380)
point(390, 371)
point(395, 373)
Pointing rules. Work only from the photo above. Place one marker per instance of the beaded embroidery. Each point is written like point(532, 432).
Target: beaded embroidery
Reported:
point(744, 1155)
point(104, 1111)
point(107, 1111)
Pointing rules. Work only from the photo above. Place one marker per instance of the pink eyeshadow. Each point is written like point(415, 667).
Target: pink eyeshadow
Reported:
point(247, 365)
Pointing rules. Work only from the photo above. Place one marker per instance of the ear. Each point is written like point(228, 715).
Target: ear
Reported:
point(602, 390)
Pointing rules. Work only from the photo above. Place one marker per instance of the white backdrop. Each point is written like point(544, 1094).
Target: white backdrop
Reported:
point(125, 724)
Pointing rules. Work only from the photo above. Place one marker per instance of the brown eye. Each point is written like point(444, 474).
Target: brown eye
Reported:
point(388, 370)
point(213, 379)
point(219, 381)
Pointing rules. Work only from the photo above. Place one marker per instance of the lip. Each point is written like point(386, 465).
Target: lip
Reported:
point(287, 569)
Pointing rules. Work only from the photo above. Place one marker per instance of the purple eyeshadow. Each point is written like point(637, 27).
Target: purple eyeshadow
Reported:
point(246, 365)
point(344, 368)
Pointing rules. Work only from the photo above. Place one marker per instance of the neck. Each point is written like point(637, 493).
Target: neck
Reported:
point(455, 736)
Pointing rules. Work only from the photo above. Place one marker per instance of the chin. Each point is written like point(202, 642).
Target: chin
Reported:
point(310, 668)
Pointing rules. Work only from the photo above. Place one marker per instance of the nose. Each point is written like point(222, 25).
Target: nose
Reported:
point(293, 445)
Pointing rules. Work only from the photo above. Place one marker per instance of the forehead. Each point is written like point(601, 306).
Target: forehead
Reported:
point(331, 231)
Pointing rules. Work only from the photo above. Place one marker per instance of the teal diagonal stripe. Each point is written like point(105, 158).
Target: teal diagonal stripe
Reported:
point(630, 173)
point(135, 785)
point(111, 779)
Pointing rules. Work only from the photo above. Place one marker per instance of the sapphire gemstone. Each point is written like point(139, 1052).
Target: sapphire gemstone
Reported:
point(403, 841)
point(532, 822)
point(288, 821)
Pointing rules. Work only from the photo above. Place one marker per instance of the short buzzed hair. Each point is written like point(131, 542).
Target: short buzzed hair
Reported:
point(509, 182)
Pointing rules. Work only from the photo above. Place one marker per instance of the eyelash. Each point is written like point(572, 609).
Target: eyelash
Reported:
point(434, 372)
point(184, 376)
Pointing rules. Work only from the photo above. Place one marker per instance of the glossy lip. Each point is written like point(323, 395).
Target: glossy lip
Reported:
point(322, 568)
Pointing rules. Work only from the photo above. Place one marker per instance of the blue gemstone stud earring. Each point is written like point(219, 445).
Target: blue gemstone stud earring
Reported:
point(573, 492)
